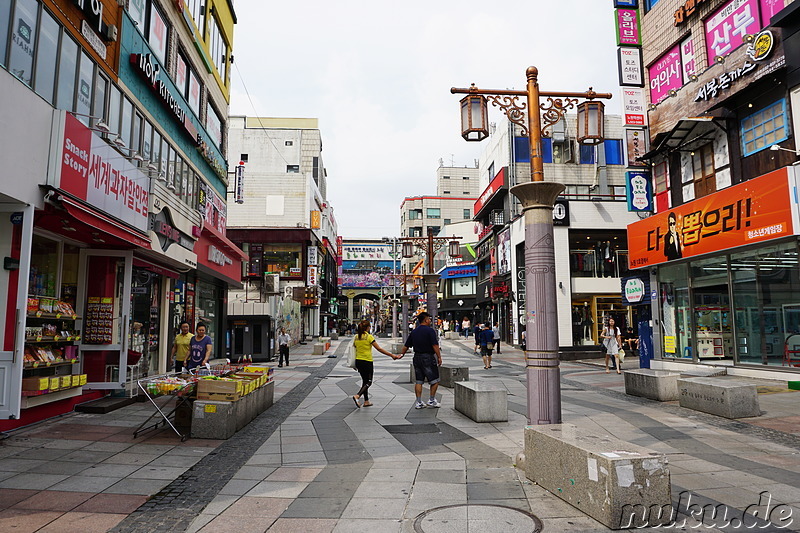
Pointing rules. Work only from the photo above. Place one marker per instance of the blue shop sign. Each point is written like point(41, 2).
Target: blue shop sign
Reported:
point(627, 3)
point(459, 272)
point(639, 190)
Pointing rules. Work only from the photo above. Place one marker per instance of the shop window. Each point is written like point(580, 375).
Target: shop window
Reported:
point(83, 100)
point(126, 121)
point(613, 151)
point(713, 324)
point(46, 56)
point(114, 104)
point(43, 277)
point(5, 24)
point(433, 212)
point(676, 313)
point(100, 92)
point(704, 175)
point(158, 34)
point(764, 287)
point(660, 178)
point(764, 128)
point(214, 126)
point(66, 73)
point(462, 286)
point(147, 142)
point(467, 214)
point(283, 259)
point(136, 134)
point(23, 40)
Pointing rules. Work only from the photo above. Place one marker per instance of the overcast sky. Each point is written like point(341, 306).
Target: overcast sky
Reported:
point(378, 74)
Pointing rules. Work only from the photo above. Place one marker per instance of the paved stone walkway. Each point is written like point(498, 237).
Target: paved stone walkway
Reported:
point(313, 462)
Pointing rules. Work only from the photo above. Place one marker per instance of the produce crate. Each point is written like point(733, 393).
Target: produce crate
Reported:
point(218, 386)
point(219, 396)
point(35, 383)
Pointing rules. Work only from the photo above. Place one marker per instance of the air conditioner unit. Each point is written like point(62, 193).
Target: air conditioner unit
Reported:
point(272, 283)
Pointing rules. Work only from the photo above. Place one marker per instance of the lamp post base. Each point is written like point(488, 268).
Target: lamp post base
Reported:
point(541, 317)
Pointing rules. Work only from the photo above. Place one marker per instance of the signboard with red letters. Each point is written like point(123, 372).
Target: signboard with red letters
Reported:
point(94, 172)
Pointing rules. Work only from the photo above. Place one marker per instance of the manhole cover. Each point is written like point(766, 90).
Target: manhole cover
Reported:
point(468, 517)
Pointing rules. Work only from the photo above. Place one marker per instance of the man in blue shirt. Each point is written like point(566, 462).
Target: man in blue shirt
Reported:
point(486, 340)
point(427, 358)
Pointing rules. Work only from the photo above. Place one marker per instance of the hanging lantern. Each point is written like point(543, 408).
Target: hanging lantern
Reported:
point(474, 118)
point(408, 250)
point(590, 122)
point(454, 248)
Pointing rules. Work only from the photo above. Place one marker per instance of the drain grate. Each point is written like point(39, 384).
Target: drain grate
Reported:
point(458, 517)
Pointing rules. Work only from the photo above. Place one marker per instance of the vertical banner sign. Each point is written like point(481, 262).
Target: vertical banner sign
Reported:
point(633, 106)
point(339, 250)
point(727, 27)
point(630, 66)
point(628, 27)
point(637, 144)
point(312, 276)
point(240, 184)
point(313, 258)
point(688, 61)
point(316, 219)
point(665, 75)
point(639, 190)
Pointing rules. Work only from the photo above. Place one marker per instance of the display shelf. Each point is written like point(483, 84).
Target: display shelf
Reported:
point(39, 366)
point(56, 316)
point(41, 399)
point(51, 339)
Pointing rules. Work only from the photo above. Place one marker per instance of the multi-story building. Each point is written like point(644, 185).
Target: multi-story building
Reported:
point(367, 287)
point(286, 226)
point(114, 175)
point(720, 255)
point(590, 220)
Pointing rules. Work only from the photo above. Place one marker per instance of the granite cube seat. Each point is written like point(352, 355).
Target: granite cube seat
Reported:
point(659, 385)
point(450, 374)
point(482, 402)
point(729, 398)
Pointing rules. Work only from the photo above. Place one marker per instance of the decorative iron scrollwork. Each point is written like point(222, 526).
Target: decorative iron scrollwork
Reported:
point(512, 107)
point(553, 110)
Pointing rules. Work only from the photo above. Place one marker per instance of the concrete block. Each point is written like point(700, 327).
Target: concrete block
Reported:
point(450, 374)
point(660, 385)
point(618, 484)
point(395, 347)
point(214, 420)
point(334, 336)
point(318, 349)
point(450, 335)
point(730, 398)
point(482, 402)
point(698, 372)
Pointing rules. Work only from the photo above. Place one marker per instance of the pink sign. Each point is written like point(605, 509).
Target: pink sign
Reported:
point(96, 173)
point(688, 60)
point(665, 75)
point(728, 26)
point(768, 10)
point(628, 27)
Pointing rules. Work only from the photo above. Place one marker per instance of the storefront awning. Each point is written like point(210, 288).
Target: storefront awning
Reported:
point(100, 222)
point(221, 240)
point(689, 133)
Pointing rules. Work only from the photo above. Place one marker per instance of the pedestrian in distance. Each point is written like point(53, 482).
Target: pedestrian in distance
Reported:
point(612, 340)
point(476, 332)
point(465, 326)
point(496, 332)
point(200, 347)
point(486, 339)
point(427, 359)
point(180, 347)
point(283, 347)
point(364, 343)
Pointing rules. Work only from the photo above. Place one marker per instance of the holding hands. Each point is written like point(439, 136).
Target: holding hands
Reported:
point(396, 357)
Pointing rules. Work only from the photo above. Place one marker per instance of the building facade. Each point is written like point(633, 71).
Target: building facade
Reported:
point(116, 227)
point(283, 221)
point(721, 253)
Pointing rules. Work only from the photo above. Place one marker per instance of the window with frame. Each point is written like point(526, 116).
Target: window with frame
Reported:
point(283, 259)
point(23, 40)
point(764, 128)
point(433, 212)
point(214, 126)
point(67, 70)
point(197, 9)
point(660, 178)
point(415, 214)
point(5, 26)
point(188, 83)
point(445, 177)
point(613, 152)
point(445, 192)
point(587, 155)
point(292, 169)
point(467, 214)
point(465, 178)
point(218, 47)
point(158, 34)
point(703, 173)
point(46, 56)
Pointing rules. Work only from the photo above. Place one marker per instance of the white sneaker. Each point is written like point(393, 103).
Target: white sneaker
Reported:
point(419, 405)
point(433, 402)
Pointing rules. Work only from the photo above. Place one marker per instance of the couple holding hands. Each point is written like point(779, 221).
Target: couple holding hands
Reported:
point(427, 359)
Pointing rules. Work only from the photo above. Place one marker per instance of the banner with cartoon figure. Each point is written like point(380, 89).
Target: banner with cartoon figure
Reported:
point(757, 210)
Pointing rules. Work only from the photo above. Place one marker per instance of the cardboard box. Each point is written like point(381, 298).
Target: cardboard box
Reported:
point(35, 383)
point(66, 382)
point(218, 396)
point(55, 383)
point(207, 386)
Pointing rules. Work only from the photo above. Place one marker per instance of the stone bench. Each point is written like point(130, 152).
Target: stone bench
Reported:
point(318, 349)
point(729, 398)
point(482, 402)
point(659, 385)
point(450, 374)
point(221, 420)
point(616, 483)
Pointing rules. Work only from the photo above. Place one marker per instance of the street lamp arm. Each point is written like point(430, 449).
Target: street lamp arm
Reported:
point(590, 94)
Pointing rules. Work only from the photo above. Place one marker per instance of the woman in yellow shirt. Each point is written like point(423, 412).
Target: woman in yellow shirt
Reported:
point(180, 347)
point(364, 342)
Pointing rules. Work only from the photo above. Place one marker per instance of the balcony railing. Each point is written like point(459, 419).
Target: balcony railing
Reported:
point(591, 264)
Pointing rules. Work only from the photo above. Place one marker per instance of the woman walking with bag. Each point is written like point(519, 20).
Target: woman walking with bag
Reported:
point(612, 340)
point(364, 342)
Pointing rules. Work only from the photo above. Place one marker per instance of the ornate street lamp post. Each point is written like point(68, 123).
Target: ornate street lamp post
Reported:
point(537, 198)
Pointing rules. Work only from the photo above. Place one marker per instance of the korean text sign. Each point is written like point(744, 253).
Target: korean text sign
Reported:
point(665, 75)
point(628, 27)
point(727, 27)
point(96, 173)
point(757, 210)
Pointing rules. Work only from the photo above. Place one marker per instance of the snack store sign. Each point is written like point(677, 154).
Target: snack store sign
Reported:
point(96, 173)
point(758, 210)
point(634, 290)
